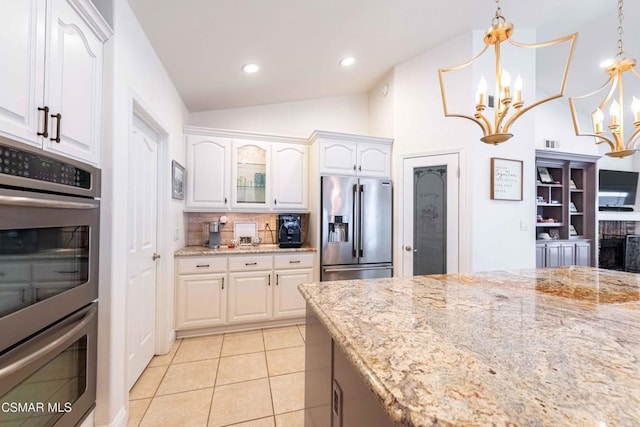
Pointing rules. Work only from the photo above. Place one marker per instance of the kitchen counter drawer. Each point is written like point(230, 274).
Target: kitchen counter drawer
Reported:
point(293, 261)
point(250, 263)
point(18, 272)
point(202, 265)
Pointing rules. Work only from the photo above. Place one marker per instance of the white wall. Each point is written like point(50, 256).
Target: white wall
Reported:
point(381, 107)
point(553, 121)
point(491, 235)
point(504, 231)
point(133, 71)
point(347, 114)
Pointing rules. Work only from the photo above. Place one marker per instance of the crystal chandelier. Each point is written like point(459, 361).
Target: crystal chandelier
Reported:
point(615, 139)
point(509, 104)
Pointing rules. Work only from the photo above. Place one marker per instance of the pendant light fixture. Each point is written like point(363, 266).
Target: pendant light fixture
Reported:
point(614, 85)
point(509, 104)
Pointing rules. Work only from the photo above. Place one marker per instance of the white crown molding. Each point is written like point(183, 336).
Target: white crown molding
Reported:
point(235, 134)
point(93, 18)
point(318, 134)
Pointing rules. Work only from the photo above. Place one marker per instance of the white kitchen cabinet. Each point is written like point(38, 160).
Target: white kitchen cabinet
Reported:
point(353, 155)
point(338, 158)
point(287, 300)
point(245, 172)
point(374, 160)
point(22, 43)
point(291, 270)
point(200, 300)
point(250, 296)
point(290, 177)
point(250, 174)
point(209, 172)
point(51, 77)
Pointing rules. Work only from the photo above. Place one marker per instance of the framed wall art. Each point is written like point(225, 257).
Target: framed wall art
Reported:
point(506, 179)
point(177, 180)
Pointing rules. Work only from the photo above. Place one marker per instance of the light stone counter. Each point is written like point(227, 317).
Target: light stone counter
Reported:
point(240, 250)
point(545, 347)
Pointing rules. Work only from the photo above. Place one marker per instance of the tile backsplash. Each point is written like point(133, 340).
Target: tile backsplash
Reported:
point(197, 235)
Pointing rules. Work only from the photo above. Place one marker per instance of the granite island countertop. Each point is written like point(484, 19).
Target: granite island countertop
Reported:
point(541, 347)
point(240, 250)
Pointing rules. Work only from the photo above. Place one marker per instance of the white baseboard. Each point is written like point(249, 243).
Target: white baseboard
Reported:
point(119, 421)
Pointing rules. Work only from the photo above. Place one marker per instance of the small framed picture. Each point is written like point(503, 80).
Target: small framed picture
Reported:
point(554, 234)
point(544, 175)
point(506, 179)
point(572, 207)
point(177, 180)
point(572, 230)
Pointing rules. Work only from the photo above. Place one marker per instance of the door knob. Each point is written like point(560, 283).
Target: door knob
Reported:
point(155, 256)
point(407, 248)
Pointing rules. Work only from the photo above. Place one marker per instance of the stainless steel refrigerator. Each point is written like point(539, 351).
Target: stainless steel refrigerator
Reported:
point(356, 228)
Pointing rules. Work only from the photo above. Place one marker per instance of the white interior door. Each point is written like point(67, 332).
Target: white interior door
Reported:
point(430, 226)
point(142, 219)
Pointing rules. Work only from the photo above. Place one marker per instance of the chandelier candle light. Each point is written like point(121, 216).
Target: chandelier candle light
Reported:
point(615, 71)
point(509, 105)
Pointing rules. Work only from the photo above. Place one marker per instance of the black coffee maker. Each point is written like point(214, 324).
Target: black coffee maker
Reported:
point(289, 231)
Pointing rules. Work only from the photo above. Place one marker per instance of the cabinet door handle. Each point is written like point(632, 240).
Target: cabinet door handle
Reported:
point(59, 117)
point(45, 130)
point(250, 263)
point(354, 167)
point(296, 261)
point(223, 283)
point(225, 200)
point(275, 201)
point(202, 266)
point(360, 168)
point(277, 279)
point(67, 271)
point(269, 280)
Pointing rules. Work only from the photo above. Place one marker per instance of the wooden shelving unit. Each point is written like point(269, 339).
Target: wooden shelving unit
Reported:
point(565, 209)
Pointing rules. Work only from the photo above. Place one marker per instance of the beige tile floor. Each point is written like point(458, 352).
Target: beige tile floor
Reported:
point(250, 379)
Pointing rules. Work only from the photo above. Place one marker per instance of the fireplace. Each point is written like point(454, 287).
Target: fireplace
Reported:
point(632, 253)
point(612, 253)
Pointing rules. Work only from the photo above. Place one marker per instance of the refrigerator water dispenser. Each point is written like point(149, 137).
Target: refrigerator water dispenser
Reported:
point(339, 229)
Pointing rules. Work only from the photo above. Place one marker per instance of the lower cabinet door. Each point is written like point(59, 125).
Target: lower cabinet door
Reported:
point(567, 254)
point(583, 253)
point(250, 297)
point(288, 301)
point(200, 301)
point(541, 256)
point(553, 255)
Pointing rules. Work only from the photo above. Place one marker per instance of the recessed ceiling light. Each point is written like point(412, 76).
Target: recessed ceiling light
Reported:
point(606, 63)
point(347, 61)
point(250, 68)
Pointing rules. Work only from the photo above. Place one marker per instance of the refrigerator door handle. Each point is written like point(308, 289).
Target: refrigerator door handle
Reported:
point(361, 221)
point(353, 220)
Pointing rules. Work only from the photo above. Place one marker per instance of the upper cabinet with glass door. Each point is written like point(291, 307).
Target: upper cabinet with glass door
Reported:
point(251, 174)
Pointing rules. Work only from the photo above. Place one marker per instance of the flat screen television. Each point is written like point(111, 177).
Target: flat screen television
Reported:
point(617, 188)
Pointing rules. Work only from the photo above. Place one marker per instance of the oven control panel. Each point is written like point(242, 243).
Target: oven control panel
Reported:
point(42, 168)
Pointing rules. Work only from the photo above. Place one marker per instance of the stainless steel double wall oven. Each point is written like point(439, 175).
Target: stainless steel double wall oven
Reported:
point(49, 237)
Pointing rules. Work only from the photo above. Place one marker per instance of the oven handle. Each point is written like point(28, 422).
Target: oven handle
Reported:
point(49, 348)
point(44, 203)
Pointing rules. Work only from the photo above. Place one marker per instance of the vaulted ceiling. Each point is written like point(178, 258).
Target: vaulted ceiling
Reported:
point(298, 43)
